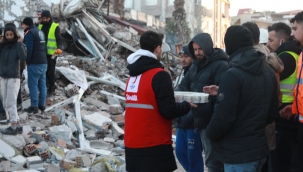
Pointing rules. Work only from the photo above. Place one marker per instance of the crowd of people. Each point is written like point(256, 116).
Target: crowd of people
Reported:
point(253, 121)
point(36, 52)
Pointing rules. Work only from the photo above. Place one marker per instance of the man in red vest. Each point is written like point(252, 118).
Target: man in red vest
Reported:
point(150, 108)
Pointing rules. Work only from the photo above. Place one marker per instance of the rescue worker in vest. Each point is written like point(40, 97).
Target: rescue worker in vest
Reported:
point(280, 42)
point(209, 65)
point(296, 109)
point(53, 45)
point(150, 108)
point(247, 99)
point(36, 61)
point(188, 141)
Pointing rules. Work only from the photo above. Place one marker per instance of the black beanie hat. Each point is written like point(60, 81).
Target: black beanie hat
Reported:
point(28, 21)
point(11, 28)
point(237, 37)
point(46, 13)
point(185, 50)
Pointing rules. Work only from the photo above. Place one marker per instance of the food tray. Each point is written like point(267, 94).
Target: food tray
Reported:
point(193, 97)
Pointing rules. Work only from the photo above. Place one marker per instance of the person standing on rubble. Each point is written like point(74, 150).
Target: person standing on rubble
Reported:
point(36, 61)
point(296, 109)
point(12, 50)
point(209, 64)
point(53, 45)
point(22, 67)
point(280, 42)
point(247, 100)
point(188, 141)
point(149, 110)
point(39, 13)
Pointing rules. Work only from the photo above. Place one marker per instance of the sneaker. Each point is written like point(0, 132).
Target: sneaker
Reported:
point(42, 108)
point(9, 131)
point(19, 129)
point(31, 110)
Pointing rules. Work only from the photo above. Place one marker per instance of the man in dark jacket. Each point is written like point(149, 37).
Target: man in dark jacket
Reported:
point(36, 65)
point(150, 108)
point(188, 141)
point(247, 100)
point(281, 42)
point(54, 45)
point(12, 51)
point(207, 69)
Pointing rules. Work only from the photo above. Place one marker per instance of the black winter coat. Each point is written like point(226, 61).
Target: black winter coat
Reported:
point(204, 73)
point(247, 100)
point(10, 56)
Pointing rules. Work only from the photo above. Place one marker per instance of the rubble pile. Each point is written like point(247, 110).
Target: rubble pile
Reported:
point(82, 126)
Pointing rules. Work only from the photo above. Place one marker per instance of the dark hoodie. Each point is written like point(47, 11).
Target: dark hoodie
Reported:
point(290, 65)
point(46, 28)
point(11, 52)
point(247, 100)
point(160, 157)
point(202, 73)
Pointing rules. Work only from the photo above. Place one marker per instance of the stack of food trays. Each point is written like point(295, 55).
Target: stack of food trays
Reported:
point(193, 97)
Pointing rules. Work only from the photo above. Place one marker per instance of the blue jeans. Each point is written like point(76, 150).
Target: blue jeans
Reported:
point(189, 150)
point(211, 162)
point(37, 84)
point(254, 166)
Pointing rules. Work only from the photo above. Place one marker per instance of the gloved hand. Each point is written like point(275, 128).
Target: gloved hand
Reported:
point(58, 51)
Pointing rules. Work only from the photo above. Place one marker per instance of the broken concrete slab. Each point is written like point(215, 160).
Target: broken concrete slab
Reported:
point(99, 144)
point(90, 135)
point(97, 119)
point(117, 131)
point(95, 102)
point(17, 141)
point(61, 132)
point(18, 159)
point(109, 139)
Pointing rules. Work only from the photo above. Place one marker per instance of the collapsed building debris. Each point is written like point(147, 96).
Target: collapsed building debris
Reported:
point(82, 126)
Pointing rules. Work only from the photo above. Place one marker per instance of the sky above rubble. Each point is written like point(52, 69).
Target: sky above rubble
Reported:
point(261, 5)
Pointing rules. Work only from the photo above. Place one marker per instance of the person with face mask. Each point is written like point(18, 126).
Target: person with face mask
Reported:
point(12, 50)
point(54, 45)
point(281, 42)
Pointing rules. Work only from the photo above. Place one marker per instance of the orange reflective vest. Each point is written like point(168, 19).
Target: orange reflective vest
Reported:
point(144, 125)
point(297, 106)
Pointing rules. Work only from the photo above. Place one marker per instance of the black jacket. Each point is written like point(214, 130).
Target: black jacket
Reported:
point(204, 73)
point(161, 157)
point(186, 121)
point(247, 100)
point(289, 68)
point(35, 44)
point(10, 56)
point(45, 29)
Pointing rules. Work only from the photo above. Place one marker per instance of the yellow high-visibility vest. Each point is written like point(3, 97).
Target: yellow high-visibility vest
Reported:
point(287, 85)
point(51, 38)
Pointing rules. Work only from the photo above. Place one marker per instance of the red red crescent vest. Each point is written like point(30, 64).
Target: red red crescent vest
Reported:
point(144, 126)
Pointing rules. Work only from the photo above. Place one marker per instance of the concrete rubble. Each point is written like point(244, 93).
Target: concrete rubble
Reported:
point(82, 126)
